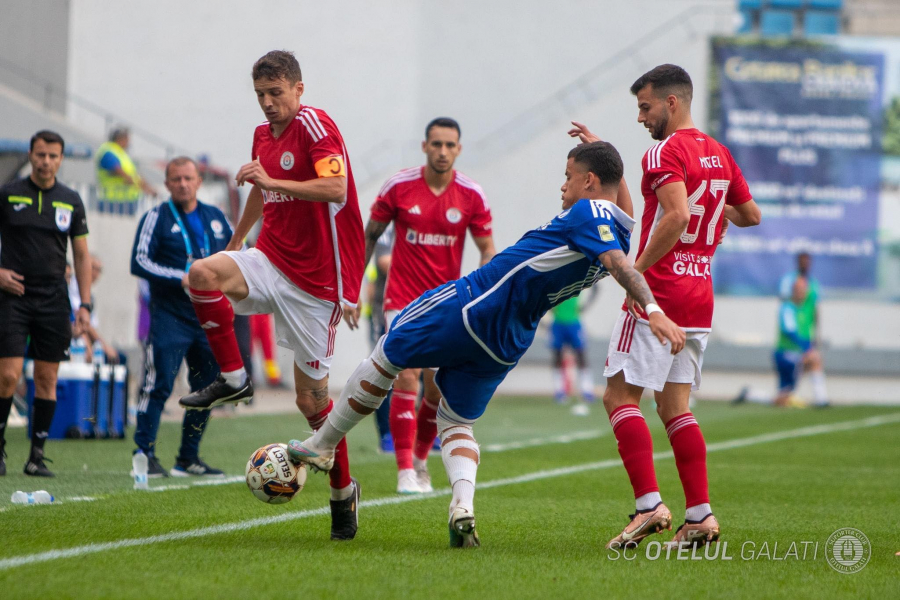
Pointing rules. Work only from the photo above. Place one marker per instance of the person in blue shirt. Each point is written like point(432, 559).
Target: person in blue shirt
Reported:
point(169, 237)
point(476, 329)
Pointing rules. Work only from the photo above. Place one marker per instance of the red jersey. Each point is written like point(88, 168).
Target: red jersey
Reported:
point(681, 281)
point(317, 245)
point(430, 231)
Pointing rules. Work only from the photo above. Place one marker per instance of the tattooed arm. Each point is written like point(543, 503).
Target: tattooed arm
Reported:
point(374, 229)
point(634, 283)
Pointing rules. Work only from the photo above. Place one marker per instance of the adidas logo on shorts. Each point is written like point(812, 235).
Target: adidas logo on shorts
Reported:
point(314, 364)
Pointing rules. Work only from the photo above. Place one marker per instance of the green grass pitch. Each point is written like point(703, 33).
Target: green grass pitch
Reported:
point(776, 476)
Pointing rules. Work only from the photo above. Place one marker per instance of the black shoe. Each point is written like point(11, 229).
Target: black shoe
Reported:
point(2, 463)
point(35, 465)
point(345, 515)
point(195, 466)
point(216, 394)
point(741, 397)
point(154, 469)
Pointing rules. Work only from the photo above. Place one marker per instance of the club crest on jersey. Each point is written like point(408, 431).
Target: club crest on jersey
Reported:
point(63, 218)
point(216, 226)
point(287, 161)
point(453, 215)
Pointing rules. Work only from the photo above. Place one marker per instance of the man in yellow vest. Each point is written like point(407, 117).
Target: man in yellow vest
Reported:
point(119, 186)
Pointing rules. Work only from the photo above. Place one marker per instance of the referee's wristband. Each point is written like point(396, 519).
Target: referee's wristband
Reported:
point(652, 308)
point(87, 306)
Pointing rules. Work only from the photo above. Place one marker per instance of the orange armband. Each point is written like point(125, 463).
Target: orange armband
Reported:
point(331, 166)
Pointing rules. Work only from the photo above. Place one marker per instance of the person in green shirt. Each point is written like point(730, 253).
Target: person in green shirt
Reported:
point(566, 332)
point(795, 350)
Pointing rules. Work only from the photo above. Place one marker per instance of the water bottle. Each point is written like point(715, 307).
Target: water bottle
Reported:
point(77, 352)
point(139, 468)
point(38, 497)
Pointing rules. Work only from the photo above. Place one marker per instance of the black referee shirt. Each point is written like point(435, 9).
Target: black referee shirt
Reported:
point(35, 227)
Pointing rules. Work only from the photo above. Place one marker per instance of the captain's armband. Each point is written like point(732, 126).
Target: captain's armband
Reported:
point(331, 166)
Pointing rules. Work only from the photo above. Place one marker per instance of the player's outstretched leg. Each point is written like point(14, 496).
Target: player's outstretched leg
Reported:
point(461, 456)
point(208, 277)
point(636, 449)
point(364, 392)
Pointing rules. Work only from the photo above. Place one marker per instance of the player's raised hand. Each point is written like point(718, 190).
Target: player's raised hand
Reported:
point(581, 131)
point(666, 331)
point(254, 171)
point(351, 316)
point(11, 282)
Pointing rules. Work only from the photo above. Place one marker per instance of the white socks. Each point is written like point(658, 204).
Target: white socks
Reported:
point(696, 513)
point(559, 384)
point(461, 469)
point(343, 493)
point(587, 384)
point(820, 394)
point(342, 417)
point(647, 501)
point(463, 496)
point(235, 378)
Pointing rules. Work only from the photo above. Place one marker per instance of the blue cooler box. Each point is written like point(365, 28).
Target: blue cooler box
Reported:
point(89, 398)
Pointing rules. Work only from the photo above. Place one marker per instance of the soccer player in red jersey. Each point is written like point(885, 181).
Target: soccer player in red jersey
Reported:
point(431, 207)
point(692, 190)
point(307, 262)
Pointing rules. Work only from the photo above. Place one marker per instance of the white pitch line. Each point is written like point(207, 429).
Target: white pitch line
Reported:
point(202, 482)
point(29, 559)
point(577, 436)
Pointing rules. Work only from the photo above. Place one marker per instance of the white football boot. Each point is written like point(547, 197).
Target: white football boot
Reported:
point(462, 529)
point(407, 482)
point(423, 478)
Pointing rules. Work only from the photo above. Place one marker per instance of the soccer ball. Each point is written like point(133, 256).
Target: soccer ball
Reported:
point(272, 477)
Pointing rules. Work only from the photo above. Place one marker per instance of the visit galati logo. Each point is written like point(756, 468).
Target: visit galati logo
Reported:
point(687, 263)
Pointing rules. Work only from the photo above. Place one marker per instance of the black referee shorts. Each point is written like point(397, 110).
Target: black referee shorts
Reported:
point(43, 314)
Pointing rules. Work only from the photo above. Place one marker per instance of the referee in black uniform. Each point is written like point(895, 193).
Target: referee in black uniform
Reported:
point(38, 215)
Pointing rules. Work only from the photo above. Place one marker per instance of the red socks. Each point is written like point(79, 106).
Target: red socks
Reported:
point(689, 448)
point(635, 448)
point(217, 319)
point(403, 426)
point(339, 474)
point(426, 430)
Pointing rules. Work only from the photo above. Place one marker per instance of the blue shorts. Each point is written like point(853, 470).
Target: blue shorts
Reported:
point(788, 365)
point(430, 333)
point(566, 334)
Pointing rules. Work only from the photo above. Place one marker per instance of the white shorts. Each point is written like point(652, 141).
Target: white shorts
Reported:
point(389, 316)
point(303, 323)
point(646, 363)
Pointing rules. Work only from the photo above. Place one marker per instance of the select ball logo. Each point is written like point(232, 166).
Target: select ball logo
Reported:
point(287, 161)
point(271, 476)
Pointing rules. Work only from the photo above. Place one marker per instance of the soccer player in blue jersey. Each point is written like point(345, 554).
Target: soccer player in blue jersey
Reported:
point(475, 329)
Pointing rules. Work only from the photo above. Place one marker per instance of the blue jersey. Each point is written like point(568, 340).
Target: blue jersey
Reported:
point(504, 300)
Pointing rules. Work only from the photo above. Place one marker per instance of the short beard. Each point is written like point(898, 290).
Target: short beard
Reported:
point(659, 132)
